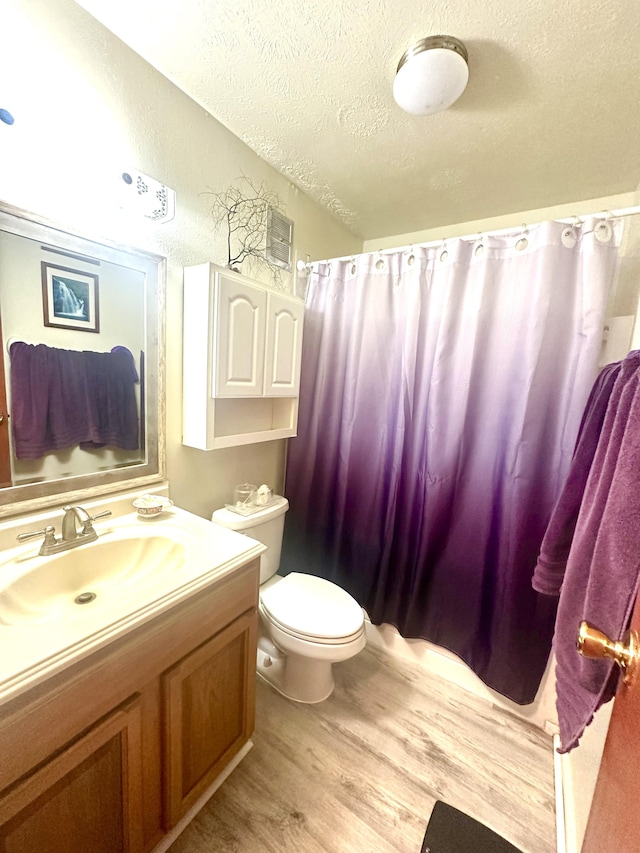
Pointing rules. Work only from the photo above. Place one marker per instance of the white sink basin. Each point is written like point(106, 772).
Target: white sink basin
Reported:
point(46, 588)
point(137, 569)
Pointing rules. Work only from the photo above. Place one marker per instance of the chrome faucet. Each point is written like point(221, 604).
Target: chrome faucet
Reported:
point(69, 529)
point(71, 537)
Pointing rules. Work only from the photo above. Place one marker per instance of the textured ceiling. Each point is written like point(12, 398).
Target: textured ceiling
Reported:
point(551, 113)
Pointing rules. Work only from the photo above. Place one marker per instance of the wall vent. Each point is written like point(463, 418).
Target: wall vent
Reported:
point(279, 239)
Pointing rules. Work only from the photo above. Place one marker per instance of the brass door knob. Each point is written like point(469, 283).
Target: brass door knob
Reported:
point(593, 643)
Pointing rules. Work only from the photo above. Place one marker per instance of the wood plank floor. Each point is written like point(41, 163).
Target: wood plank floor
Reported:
point(361, 771)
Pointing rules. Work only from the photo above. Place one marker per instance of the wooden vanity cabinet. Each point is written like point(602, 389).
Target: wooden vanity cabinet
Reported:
point(207, 713)
point(110, 754)
point(86, 798)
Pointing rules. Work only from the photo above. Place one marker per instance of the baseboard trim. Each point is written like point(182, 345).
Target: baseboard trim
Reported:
point(559, 768)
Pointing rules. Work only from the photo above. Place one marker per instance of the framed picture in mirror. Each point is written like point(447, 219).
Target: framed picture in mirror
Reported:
point(70, 298)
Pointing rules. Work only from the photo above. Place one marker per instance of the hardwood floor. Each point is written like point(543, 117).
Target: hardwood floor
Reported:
point(361, 771)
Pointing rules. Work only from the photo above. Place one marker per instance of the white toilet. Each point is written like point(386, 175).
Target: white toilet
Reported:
point(306, 623)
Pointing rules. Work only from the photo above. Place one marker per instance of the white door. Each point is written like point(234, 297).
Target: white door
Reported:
point(240, 338)
point(285, 317)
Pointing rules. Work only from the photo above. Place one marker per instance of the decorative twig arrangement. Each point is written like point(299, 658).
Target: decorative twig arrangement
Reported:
point(241, 210)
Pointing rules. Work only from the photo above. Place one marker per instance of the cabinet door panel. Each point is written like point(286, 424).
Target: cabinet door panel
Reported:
point(209, 701)
point(87, 798)
point(285, 318)
point(240, 339)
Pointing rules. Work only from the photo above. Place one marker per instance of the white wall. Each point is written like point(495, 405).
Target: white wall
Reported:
point(579, 770)
point(86, 109)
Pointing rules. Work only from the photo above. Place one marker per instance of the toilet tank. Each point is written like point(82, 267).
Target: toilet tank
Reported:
point(266, 525)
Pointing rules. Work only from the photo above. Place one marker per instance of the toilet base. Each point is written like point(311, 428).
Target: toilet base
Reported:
point(298, 678)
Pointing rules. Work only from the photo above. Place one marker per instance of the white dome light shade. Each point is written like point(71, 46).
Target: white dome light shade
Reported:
point(431, 75)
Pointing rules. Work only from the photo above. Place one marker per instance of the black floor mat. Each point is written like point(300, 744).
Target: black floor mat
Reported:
point(452, 831)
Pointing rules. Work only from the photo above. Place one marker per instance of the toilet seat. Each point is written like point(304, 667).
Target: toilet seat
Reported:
point(312, 608)
point(311, 638)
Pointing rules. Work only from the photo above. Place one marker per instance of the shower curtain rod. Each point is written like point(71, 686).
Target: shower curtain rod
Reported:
point(624, 211)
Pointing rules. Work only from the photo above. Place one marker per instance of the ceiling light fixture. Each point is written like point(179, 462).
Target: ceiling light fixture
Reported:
point(431, 75)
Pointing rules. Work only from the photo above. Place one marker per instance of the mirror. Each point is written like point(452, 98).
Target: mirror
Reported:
point(81, 385)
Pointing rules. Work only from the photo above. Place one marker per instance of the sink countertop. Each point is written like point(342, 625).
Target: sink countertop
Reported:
point(30, 652)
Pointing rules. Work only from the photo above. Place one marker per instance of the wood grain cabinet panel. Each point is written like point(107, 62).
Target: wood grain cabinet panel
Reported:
point(209, 702)
point(87, 798)
point(110, 754)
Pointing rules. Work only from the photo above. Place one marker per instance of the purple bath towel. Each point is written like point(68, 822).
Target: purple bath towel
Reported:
point(63, 398)
point(112, 415)
point(603, 566)
point(556, 545)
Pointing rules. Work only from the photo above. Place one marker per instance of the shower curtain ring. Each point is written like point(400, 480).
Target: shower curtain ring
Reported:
point(444, 254)
point(603, 229)
point(569, 235)
point(523, 241)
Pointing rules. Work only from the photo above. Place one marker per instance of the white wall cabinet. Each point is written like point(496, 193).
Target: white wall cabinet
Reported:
point(241, 367)
point(239, 324)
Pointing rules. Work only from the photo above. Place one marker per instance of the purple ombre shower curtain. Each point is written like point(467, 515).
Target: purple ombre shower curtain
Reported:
point(442, 392)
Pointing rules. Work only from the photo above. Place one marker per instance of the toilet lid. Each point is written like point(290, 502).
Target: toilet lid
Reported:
point(312, 607)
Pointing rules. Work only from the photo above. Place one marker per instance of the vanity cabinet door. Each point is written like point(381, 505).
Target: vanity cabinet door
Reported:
point(285, 317)
point(209, 704)
point(240, 331)
point(87, 798)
